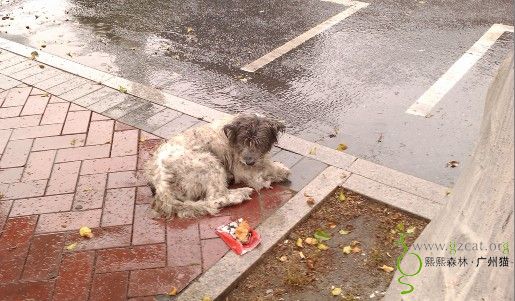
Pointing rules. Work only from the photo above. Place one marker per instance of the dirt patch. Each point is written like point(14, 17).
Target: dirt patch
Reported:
point(367, 229)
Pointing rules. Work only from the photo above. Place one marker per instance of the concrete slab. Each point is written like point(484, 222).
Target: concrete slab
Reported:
point(393, 196)
point(402, 181)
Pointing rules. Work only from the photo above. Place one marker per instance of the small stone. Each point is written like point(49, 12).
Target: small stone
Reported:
point(79, 207)
point(269, 291)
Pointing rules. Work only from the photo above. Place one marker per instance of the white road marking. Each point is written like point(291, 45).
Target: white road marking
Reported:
point(426, 102)
point(354, 6)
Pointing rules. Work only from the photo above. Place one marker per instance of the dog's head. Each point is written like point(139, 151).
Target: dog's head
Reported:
point(252, 136)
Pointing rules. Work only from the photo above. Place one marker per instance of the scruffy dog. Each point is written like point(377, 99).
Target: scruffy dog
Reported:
point(189, 174)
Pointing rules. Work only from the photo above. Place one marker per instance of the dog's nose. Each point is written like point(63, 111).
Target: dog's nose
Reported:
point(249, 161)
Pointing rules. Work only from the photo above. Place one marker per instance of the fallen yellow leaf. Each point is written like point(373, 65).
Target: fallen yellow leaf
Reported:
point(206, 298)
point(298, 243)
point(341, 147)
point(343, 232)
point(347, 249)
point(71, 247)
point(173, 291)
point(336, 291)
point(387, 268)
point(411, 230)
point(322, 247)
point(313, 151)
point(283, 258)
point(341, 197)
point(302, 255)
point(311, 241)
point(85, 232)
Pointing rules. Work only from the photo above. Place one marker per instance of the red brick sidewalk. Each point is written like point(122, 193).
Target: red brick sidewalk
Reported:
point(63, 167)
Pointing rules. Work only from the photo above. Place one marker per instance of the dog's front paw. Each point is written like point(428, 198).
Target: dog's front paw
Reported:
point(258, 185)
point(281, 172)
point(267, 184)
point(246, 192)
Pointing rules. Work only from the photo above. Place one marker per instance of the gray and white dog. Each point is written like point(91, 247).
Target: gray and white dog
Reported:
point(190, 173)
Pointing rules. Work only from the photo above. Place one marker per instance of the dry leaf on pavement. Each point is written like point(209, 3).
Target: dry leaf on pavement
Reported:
point(173, 291)
point(331, 225)
point(311, 241)
point(85, 232)
point(386, 268)
point(322, 247)
point(71, 247)
point(34, 55)
point(453, 163)
point(341, 147)
point(336, 291)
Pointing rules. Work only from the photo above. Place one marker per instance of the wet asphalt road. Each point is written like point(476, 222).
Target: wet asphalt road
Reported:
point(351, 84)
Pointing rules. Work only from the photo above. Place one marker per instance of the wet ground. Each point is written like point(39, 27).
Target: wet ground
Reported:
point(351, 84)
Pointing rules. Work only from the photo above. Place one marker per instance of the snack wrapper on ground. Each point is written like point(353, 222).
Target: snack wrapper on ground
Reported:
point(239, 236)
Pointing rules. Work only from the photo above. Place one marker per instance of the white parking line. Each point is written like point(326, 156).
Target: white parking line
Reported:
point(426, 102)
point(294, 43)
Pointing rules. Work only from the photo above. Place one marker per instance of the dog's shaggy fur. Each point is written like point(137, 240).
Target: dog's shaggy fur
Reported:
point(190, 173)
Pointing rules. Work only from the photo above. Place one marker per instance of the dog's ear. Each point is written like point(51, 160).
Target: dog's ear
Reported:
point(277, 126)
point(230, 132)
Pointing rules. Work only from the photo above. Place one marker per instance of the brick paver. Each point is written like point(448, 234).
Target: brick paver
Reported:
point(63, 167)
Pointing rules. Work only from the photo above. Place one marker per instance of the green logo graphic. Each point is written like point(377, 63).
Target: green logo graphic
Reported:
point(402, 243)
point(452, 248)
point(505, 248)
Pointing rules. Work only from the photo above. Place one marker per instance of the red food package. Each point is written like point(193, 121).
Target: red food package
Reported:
point(239, 236)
